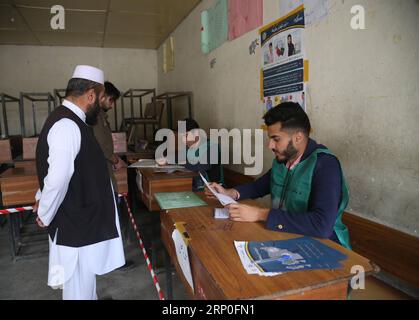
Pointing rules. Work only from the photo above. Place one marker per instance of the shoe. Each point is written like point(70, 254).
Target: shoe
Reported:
point(129, 264)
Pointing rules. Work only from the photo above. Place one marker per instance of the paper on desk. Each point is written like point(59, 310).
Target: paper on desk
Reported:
point(248, 264)
point(151, 163)
point(182, 256)
point(221, 213)
point(224, 200)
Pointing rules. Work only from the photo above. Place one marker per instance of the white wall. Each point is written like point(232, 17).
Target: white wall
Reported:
point(363, 97)
point(42, 69)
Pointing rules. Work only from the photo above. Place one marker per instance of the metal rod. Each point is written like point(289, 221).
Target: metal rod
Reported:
point(116, 115)
point(34, 117)
point(132, 105)
point(22, 116)
point(141, 107)
point(3, 104)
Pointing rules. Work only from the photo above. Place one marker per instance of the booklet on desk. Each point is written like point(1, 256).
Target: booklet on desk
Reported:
point(269, 258)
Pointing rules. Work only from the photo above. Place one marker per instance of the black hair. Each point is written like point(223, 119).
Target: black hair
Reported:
point(112, 91)
point(77, 87)
point(289, 36)
point(190, 124)
point(290, 115)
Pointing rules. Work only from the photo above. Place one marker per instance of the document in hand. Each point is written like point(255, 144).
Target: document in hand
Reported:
point(224, 200)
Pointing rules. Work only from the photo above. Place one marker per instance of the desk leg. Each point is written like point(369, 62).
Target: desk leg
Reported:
point(18, 227)
point(168, 269)
point(12, 235)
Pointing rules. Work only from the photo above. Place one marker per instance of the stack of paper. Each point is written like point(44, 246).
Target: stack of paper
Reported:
point(271, 258)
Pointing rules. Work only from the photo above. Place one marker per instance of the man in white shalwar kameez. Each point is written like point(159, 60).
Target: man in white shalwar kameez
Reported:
point(76, 201)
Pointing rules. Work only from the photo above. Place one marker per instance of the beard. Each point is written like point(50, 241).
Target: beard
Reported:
point(92, 112)
point(286, 155)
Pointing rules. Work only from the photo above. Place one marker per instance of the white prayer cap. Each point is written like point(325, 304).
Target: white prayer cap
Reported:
point(89, 73)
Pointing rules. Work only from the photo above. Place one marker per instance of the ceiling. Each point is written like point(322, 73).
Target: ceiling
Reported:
point(93, 23)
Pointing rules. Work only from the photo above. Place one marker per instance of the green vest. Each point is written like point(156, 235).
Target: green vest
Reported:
point(293, 187)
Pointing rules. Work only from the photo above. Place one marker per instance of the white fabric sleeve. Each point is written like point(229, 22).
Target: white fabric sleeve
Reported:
point(64, 141)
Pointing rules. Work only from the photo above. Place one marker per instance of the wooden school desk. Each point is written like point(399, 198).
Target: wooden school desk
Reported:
point(18, 188)
point(153, 182)
point(218, 273)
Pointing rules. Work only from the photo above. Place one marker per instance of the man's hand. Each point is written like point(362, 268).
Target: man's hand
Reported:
point(40, 223)
point(232, 193)
point(244, 213)
point(119, 164)
point(35, 210)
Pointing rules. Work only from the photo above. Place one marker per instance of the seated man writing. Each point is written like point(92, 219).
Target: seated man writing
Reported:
point(306, 183)
point(200, 149)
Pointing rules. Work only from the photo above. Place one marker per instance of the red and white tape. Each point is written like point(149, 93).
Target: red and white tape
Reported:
point(14, 210)
point(29, 208)
point(150, 267)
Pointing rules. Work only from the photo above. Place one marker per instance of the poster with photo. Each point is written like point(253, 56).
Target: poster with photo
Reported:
point(283, 65)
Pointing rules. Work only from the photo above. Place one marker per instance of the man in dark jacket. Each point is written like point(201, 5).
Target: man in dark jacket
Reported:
point(306, 183)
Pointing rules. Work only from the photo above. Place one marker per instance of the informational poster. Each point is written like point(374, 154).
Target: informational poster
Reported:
point(244, 16)
point(283, 67)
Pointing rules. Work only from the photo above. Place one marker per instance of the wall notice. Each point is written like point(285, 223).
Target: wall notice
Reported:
point(283, 72)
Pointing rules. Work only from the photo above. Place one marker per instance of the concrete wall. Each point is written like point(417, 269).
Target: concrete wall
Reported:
point(362, 100)
point(42, 69)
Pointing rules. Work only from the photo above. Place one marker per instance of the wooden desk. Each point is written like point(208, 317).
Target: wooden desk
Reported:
point(19, 185)
point(5, 151)
point(218, 272)
point(153, 182)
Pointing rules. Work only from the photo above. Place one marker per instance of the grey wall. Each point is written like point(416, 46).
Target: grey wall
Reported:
point(42, 69)
point(362, 98)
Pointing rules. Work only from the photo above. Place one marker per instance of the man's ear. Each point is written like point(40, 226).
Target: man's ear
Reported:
point(298, 137)
point(91, 95)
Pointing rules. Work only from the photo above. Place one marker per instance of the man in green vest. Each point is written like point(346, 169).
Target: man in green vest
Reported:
point(306, 183)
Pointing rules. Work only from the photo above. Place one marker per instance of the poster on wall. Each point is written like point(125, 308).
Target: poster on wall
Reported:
point(214, 26)
point(244, 16)
point(283, 67)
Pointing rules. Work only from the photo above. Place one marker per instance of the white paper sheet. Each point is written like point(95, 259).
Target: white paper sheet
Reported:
point(224, 200)
point(221, 213)
point(182, 256)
